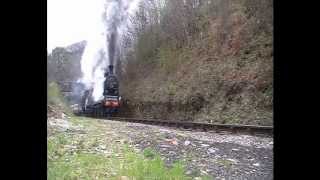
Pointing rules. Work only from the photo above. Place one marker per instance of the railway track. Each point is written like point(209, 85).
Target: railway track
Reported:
point(197, 126)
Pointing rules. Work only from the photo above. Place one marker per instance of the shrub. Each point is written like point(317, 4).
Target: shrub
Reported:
point(54, 97)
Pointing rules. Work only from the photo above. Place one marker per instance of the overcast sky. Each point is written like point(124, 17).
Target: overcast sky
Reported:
point(71, 21)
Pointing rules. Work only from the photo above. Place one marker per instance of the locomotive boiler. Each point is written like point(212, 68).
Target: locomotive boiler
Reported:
point(110, 103)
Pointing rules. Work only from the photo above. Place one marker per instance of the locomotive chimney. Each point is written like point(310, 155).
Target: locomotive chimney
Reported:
point(111, 69)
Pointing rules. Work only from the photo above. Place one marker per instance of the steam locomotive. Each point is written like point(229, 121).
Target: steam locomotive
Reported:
point(110, 104)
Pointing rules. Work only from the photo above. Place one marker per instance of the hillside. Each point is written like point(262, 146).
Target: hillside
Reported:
point(219, 69)
point(63, 63)
point(89, 148)
point(64, 68)
point(179, 64)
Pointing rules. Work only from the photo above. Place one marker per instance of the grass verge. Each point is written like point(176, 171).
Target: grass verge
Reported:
point(91, 156)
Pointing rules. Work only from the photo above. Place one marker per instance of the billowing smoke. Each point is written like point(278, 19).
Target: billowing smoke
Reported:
point(112, 48)
point(103, 46)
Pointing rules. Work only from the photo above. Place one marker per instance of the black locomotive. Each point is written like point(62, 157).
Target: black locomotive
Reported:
point(110, 104)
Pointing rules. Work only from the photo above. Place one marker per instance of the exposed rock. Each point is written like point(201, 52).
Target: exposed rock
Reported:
point(204, 153)
point(226, 156)
point(256, 164)
point(124, 178)
point(232, 160)
point(205, 145)
point(212, 150)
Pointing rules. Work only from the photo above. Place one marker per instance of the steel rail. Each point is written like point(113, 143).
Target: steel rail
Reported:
point(256, 130)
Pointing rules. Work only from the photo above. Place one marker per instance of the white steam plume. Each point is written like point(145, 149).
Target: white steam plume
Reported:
point(71, 21)
point(102, 47)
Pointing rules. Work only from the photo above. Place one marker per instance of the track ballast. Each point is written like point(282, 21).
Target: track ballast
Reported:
point(218, 128)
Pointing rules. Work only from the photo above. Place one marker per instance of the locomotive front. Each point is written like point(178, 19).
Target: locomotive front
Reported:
point(111, 100)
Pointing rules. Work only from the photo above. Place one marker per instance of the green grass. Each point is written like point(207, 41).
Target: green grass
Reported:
point(149, 153)
point(53, 94)
point(81, 165)
point(150, 166)
point(83, 162)
point(226, 163)
point(78, 166)
point(54, 97)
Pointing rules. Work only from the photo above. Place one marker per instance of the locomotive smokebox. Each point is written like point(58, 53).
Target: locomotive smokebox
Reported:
point(109, 72)
point(111, 69)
